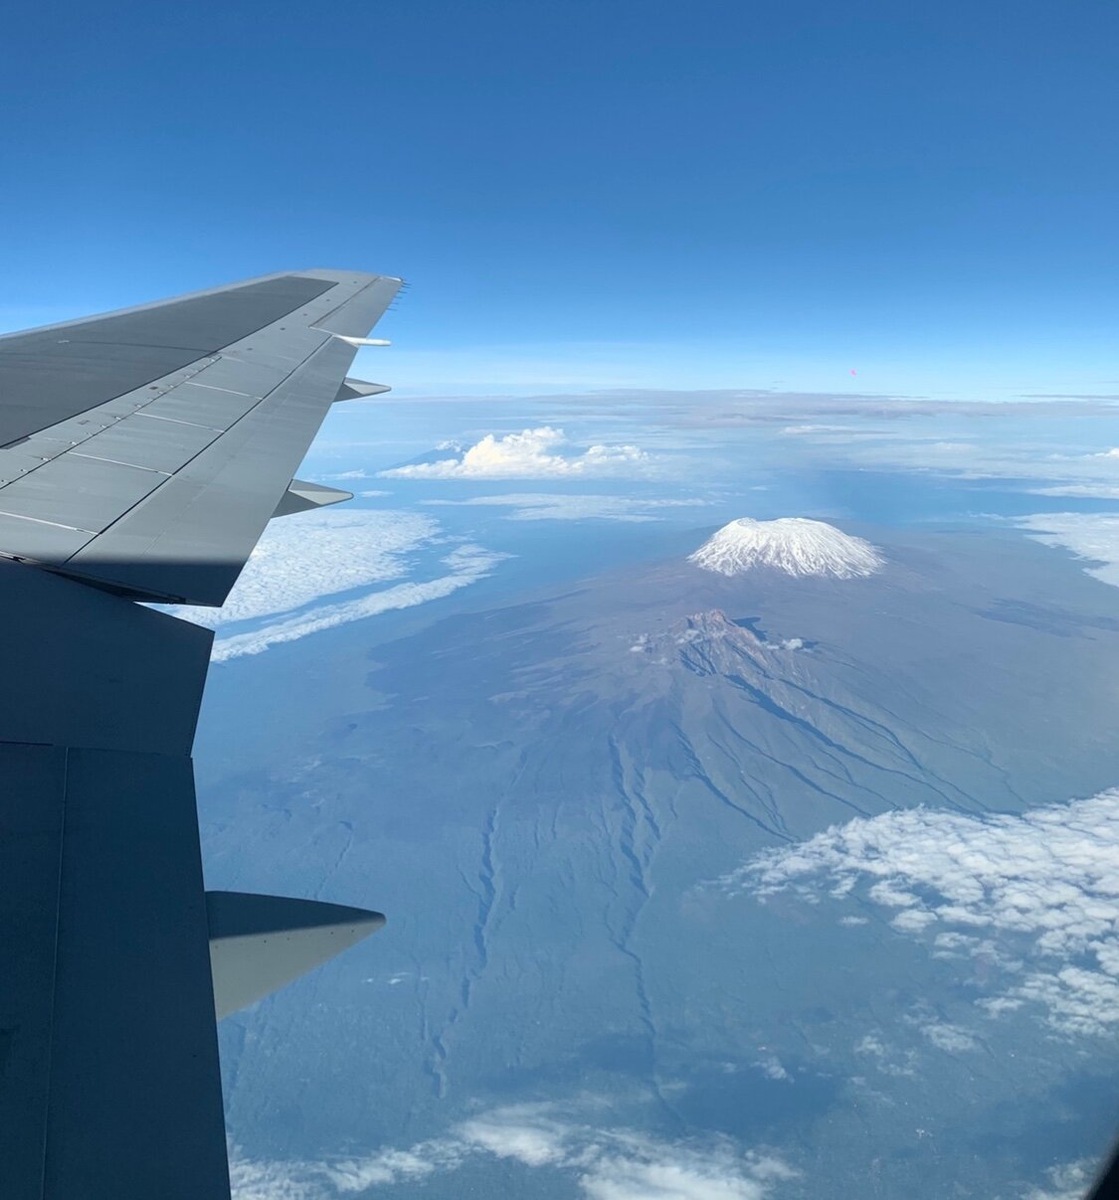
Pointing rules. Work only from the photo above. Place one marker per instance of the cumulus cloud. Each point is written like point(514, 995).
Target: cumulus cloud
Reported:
point(871, 1045)
point(531, 454)
point(1031, 900)
point(604, 1164)
point(251, 1179)
point(1068, 1181)
point(772, 1068)
point(945, 1036)
point(1092, 536)
point(533, 506)
point(887, 1059)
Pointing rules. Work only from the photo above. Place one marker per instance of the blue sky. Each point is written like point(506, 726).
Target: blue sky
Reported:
point(594, 194)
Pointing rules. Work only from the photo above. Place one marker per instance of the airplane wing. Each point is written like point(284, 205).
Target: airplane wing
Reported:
point(142, 454)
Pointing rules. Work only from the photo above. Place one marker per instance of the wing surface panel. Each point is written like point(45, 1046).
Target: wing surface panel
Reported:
point(135, 1088)
point(149, 440)
point(110, 1087)
point(188, 540)
point(27, 538)
point(30, 864)
point(352, 318)
point(162, 490)
point(78, 492)
point(216, 408)
point(50, 374)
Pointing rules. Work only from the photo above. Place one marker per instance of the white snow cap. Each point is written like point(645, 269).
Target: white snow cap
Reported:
point(794, 545)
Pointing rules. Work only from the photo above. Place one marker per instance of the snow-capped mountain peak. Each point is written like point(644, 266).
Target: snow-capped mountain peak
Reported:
point(794, 545)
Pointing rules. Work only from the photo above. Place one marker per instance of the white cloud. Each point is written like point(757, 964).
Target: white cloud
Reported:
point(644, 1176)
point(1093, 536)
point(306, 556)
point(534, 506)
point(802, 430)
point(622, 1164)
point(395, 1166)
point(871, 1045)
point(309, 557)
point(526, 1133)
point(251, 1179)
point(468, 564)
point(948, 1037)
point(531, 454)
point(1069, 1181)
point(965, 440)
point(887, 1059)
point(254, 1179)
point(604, 1164)
point(1095, 491)
point(1034, 898)
point(772, 1068)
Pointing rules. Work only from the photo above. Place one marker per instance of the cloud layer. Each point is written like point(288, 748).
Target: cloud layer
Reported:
point(531, 454)
point(307, 558)
point(1035, 897)
point(1093, 536)
point(1068, 1181)
point(604, 1164)
point(466, 565)
point(533, 506)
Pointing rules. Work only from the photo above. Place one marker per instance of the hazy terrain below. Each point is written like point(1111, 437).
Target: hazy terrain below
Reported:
point(543, 797)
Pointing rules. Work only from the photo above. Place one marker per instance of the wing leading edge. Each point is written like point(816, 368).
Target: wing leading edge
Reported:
point(146, 451)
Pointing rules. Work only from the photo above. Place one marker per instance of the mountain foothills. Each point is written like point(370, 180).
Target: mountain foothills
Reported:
point(544, 796)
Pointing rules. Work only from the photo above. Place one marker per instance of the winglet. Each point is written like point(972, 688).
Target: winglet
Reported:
point(356, 389)
point(302, 496)
point(259, 943)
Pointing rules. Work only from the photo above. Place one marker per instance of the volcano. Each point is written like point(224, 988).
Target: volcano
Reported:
point(794, 545)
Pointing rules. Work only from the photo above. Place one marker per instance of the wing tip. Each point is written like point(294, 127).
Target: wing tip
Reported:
point(348, 275)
